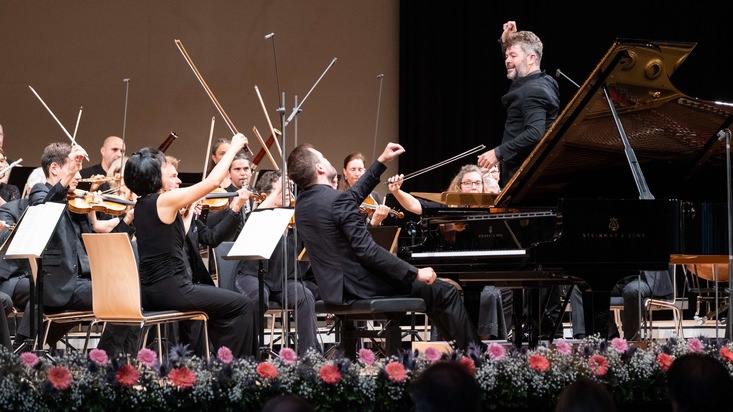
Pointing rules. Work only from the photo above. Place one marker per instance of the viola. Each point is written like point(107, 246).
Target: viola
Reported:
point(369, 205)
point(218, 199)
point(81, 201)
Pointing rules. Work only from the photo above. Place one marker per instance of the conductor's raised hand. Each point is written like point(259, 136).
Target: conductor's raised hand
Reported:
point(391, 152)
point(508, 28)
point(239, 141)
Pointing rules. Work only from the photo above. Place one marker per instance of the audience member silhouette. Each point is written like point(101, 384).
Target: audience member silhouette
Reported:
point(446, 387)
point(287, 403)
point(697, 382)
point(585, 395)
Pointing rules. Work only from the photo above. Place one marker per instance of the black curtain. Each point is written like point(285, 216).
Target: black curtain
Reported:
point(452, 73)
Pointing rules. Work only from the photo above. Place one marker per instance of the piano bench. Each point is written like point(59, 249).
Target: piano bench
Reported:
point(391, 309)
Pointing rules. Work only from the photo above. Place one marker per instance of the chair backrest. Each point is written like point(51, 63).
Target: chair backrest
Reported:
point(225, 269)
point(115, 279)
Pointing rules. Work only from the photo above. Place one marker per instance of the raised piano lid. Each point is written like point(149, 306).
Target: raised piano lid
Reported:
point(673, 135)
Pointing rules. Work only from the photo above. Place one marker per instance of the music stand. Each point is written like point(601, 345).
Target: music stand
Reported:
point(28, 240)
point(257, 240)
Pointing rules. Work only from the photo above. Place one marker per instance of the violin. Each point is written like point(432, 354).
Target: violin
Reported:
point(369, 205)
point(101, 179)
point(81, 201)
point(218, 199)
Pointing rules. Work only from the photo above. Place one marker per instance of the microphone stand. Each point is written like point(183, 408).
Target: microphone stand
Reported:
point(726, 133)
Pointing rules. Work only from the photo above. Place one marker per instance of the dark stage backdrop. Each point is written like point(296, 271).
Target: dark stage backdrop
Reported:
point(452, 74)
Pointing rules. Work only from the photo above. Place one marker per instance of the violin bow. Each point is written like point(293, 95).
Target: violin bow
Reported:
point(124, 122)
point(443, 163)
point(208, 91)
point(73, 141)
point(269, 123)
point(264, 146)
point(379, 105)
point(208, 148)
point(78, 119)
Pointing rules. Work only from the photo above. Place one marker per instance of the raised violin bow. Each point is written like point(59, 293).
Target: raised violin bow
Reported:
point(73, 141)
point(443, 163)
point(208, 91)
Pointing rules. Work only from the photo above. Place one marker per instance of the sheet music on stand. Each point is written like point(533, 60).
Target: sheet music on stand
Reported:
point(32, 233)
point(261, 233)
point(258, 239)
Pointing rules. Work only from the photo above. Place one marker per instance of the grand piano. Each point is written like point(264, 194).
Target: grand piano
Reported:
point(630, 173)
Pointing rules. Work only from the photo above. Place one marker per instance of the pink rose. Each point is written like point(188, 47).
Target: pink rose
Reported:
point(224, 355)
point(147, 357)
point(288, 356)
point(496, 351)
point(563, 347)
point(619, 345)
point(98, 356)
point(432, 354)
point(367, 356)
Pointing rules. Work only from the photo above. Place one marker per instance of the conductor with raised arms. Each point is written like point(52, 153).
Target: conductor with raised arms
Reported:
point(347, 263)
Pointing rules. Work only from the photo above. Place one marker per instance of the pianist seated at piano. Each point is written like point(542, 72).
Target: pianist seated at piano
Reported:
point(491, 179)
point(495, 309)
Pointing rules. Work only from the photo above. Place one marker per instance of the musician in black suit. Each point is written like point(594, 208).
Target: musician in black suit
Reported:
point(346, 261)
point(14, 273)
point(65, 265)
point(635, 290)
point(532, 102)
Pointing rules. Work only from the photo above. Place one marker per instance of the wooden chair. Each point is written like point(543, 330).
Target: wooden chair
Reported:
point(67, 316)
point(116, 288)
point(676, 304)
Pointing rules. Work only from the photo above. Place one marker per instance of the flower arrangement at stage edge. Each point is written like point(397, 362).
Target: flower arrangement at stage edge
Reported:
point(508, 378)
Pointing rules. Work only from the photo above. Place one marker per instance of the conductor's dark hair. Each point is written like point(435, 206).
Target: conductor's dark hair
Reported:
point(142, 171)
point(301, 166)
point(446, 386)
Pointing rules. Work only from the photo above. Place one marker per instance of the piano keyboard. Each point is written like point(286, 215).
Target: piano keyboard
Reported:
point(470, 253)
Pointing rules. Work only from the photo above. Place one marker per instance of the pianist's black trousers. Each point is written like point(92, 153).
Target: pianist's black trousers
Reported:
point(446, 311)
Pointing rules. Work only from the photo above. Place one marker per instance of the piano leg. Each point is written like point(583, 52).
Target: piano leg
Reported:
point(517, 311)
point(597, 306)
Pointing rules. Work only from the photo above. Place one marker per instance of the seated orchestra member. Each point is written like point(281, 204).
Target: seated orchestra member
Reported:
point(495, 309)
point(8, 192)
point(353, 170)
point(302, 293)
point(346, 261)
point(240, 174)
point(65, 264)
point(161, 239)
point(112, 150)
point(635, 290)
point(218, 150)
point(6, 301)
point(197, 232)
